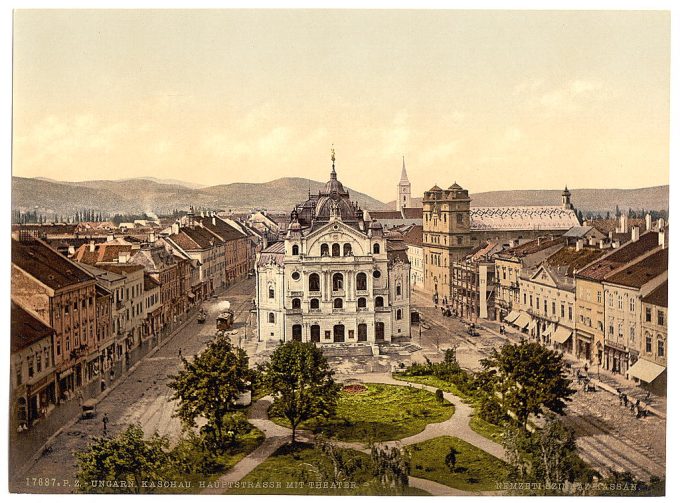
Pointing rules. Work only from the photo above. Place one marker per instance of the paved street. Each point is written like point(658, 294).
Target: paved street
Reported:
point(142, 397)
point(608, 435)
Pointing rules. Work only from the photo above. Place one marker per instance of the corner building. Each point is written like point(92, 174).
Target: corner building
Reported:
point(335, 277)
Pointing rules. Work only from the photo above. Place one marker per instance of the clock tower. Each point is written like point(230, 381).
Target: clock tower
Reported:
point(403, 189)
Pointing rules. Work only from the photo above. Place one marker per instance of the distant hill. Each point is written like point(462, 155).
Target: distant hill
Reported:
point(595, 200)
point(141, 195)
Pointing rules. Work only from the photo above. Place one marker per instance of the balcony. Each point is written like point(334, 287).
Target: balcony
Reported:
point(293, 311)
point(314, 294)
point(295, 293)
point(338, 293)
point(383, 309)
point(338, 310)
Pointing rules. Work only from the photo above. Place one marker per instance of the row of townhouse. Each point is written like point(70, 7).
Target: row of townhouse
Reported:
point(78, 322)
point(605, 306)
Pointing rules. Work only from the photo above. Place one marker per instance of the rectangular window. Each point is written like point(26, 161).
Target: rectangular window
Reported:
point(553, 309)
point(571, 313)
point(631, 304)
point(38, 363)
point(648, 344)
point(660, 317)
point(648, 314)
point(599, 297)
point(632, 334)
point(562, 311)
point(19, 373)
point(30, 367)
point(660, 348)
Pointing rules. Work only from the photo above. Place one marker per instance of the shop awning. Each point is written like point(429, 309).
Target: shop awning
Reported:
point(511, 317)
point(532, 326)
point(645, 370)
point(522, 321)
point(191, 295)
point(548, 330)
point(561, 335)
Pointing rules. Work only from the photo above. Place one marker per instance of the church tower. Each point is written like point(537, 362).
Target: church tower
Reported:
point(403, 189)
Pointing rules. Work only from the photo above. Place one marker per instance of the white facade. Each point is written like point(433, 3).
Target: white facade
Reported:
point(335, 278)
point(415, 258)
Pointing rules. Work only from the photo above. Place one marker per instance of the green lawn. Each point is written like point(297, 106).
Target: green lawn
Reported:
point(300, 469)
point(475, 469)
point(477, 424)
point(382, 412)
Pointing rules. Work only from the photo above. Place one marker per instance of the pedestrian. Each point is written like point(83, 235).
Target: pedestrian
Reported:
point(103, 384)
point(179, 353)
point(625, 400)
point(112, 374)
point(105, 421)
point(585, 367)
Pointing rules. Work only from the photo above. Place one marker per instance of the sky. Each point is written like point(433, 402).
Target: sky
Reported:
point(493, 100)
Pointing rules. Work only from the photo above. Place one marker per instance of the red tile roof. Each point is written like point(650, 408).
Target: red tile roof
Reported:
point(47, 265)
point(658, 296)
point(26, 329)
point(640, 273)
point(620, 256)
point(414, 235)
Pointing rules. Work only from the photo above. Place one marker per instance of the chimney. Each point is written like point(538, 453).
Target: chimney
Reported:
point(152, 237)
point(662, 238)
point(611, 235)
point(648, 222)
point(213, 219)
point(175, 228)
point(109, 237)
point(123, 257)
point(591, 241)
point(71, 250)
point(624, 223)
point(512, 243)
point(635, 233)
point(579, 245)
point(615, 244)
point(662, 223)
point(91, 246)
point(603, 245)
point(538, 241)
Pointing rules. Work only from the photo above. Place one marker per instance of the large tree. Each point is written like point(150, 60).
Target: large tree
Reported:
point(528, 378)
point(209, 384)
point(120, 463)
point(301, 383)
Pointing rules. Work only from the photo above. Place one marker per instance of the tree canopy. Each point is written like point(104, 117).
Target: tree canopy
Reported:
point(528, 377)
point(208, 385)
point(301, 383)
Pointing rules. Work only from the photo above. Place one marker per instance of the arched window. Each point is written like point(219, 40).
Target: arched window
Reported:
point(361, 302)
point(324, 250)
point(376, 248)
point(296, 250)
point(336, 250)
point(271, 292)
point(378, 302)
point(398, 314)
point(361, 281)
point(297, 333)
point(337, 281)
point(314, 283)
point(271, 318)
point(337, 303)
point(398, 289)
point(296, 304)
point(346, 249)
point(314, 304)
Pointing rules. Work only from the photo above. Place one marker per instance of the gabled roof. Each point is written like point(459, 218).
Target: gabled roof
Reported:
point(619, 256)
point(26, 329)
point(221, 228)
point(273, 254)
point(415, 213)
point(47, 265)
point(570, 260)
point(150, 283)
point(413, 236)
point(642, 272)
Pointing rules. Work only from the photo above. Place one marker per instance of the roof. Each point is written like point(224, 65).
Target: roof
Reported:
point(413, 236)
point(100, 291)
point(122, 268)
point(522, 218)
point(150, 283)
point(413, 212)
point(534, 246)
point(573, 260)
point(396, 250)
point(47, 265)
point(638, 274)
point(103, 252)
point(620, 256)
point(658, 296)
point(101, 273)
point(224, 230)
point(385, 214)
point(578, 231)
point(273, 254)
point(26, 329)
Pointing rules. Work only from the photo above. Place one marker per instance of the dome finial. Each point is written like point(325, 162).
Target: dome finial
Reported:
point(333, 156)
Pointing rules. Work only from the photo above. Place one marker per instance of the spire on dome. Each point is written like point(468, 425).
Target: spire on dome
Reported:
point(333, 174)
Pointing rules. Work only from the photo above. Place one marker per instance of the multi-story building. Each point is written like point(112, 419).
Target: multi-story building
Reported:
point(153, 307)
point(32, 378)
point(473, 284)
point(63, 296)
point(236, 246)
point(650, 368)
point(548, 296)
point(510, 262)
point(590, 298)
point(335, 278)
point(623, 292)
point(413, 238)
point(451, 229)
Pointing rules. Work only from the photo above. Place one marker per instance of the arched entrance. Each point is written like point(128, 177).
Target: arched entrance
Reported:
point(315, 333)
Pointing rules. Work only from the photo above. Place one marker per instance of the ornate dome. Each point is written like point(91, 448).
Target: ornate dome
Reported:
point(333, 185)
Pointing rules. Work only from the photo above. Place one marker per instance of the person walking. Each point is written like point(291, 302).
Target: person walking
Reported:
point(105, 421)
point(179, 353)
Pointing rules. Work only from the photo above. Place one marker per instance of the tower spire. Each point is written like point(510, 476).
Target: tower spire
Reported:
point(404, 176)
point(333, 174)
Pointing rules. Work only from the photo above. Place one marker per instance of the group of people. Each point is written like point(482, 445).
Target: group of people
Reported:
point(637, 407)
